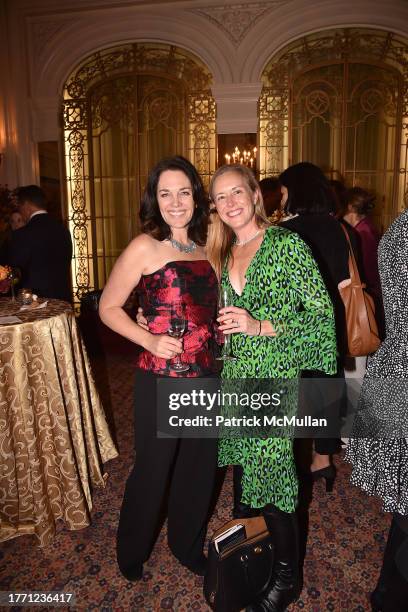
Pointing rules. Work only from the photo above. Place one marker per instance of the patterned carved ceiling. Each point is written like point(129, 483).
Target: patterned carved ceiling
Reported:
point(237, 19)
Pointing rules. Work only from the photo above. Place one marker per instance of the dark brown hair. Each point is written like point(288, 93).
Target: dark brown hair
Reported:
point(30, 193)
point(360, 200)
point(309, 191)
point(150, 216)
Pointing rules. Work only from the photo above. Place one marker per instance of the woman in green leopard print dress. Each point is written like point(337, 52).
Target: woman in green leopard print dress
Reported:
point(282, 322)
point(281, 278)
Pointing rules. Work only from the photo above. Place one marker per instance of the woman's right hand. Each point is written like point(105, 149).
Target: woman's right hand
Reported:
point(141, 319)
point(161, 345)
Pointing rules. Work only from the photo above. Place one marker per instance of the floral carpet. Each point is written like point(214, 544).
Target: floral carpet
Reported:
point(345, 538)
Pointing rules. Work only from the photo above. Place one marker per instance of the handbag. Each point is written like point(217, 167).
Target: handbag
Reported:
point(362, 329)
point(239, 573)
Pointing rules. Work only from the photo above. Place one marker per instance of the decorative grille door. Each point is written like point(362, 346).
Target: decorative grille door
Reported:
point(124, 109)
point(344, 119)
point(339, 99)
point(133, 123)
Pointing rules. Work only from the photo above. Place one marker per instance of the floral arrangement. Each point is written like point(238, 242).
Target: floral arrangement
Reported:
point(5, 278)
point(7, 206)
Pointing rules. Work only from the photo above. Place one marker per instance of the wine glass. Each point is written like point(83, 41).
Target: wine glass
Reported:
point(225, 298)
point(178, 325)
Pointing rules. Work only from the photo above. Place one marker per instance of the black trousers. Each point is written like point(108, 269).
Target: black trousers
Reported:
point(324, 395)
point(391, 593)
point(170, 474)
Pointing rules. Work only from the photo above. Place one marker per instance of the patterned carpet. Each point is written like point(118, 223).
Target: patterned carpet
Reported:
point(346, 538)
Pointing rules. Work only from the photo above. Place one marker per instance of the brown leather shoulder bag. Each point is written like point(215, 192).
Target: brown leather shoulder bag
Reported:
point(362, 330)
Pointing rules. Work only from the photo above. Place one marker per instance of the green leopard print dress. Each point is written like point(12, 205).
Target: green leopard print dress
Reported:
point(284, 286)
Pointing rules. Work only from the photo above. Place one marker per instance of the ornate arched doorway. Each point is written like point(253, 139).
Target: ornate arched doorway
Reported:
point(124, 108)
point(339, 99)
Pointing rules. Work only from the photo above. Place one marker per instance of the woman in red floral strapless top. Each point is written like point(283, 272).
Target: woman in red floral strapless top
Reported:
point(195, 285)
point(167, 264)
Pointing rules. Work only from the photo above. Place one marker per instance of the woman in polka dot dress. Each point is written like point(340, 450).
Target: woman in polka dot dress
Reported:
point(378, 449)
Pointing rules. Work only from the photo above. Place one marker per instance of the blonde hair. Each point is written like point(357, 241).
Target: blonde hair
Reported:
point(220, 238)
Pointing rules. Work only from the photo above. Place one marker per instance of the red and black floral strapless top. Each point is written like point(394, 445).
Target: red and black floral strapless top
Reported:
point(195, 285)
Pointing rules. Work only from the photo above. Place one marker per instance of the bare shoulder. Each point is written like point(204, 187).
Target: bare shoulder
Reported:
point(137, 254)
point(144, 241)
point(142, 245)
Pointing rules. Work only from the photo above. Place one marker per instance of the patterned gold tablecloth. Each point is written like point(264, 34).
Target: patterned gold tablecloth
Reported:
point(53, 433)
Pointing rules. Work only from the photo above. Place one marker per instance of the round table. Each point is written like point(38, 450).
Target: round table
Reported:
point(53, 432)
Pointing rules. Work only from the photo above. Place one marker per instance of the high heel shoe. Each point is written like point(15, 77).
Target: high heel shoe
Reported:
point(328, 473)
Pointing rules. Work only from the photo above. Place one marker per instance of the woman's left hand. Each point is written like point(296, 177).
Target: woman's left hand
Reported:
point(234, 320)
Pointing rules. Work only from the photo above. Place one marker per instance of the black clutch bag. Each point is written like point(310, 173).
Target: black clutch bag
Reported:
point(240, 564)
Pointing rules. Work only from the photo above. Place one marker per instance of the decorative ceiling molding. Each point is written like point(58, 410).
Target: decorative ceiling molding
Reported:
point(43, 31)
point(236, 20)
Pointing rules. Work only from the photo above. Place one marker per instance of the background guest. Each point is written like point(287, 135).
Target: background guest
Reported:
point(354, 367)
point(271, 195)
point(16, 220)
point(358, 204)
point(9, 221)
point(42, 249)
point(378, 451)
point(339, 190)
point(310, 205)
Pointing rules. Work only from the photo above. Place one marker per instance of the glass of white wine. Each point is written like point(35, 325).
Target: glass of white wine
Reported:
point(177, 327)
point(225, 298)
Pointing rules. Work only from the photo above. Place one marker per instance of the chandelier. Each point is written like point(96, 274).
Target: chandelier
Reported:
point(246, 157)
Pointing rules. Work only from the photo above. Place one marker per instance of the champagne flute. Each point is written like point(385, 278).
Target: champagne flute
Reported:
point(178, 325)
point(14, 277)
point(225, 298)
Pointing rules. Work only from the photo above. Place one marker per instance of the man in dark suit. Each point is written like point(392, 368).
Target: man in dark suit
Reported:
point(42, 249)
